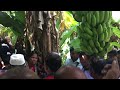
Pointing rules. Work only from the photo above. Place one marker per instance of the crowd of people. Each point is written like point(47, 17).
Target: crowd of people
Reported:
point(79, 66)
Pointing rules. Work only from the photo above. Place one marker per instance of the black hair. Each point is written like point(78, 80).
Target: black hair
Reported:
point(71, 49)
point(113, 52)
point(98, 66)
point(32, 53)
point(53, 61)
point(81, 53)
point(118, 52)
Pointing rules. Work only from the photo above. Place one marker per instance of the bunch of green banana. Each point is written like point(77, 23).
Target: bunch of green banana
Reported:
point(94, 31)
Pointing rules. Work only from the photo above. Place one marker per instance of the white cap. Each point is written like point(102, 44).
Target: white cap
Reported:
point(17, 59)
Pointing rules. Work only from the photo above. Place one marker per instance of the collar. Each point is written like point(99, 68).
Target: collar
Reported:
point(78, 60)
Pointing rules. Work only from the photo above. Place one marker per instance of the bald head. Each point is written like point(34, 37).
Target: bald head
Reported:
point(70, 72)
point(19, 73)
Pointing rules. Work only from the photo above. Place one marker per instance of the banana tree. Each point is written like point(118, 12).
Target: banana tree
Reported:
point(13, 24)
point(67, 27)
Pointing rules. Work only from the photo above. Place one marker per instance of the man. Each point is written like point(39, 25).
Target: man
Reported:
point(74, 60)
point(111, 71)
point(18, 69)
point(19, 73)
point(16, 60)
point(69, 72)
point(85, 61)
point(5, 51)
point(52, 63)
point(8, 40)
point(112, 55)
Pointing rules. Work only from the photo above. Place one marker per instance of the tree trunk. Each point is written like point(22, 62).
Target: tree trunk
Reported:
point(40, 28)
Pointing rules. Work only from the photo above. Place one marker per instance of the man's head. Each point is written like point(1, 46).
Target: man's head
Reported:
point(17, 59)
point(118, 55)
point(74, 53)
point(69, 72)
point(19, 73)
point(96, 69)
point(85, 61)
point(8, 39)
point(112, 55)
point(53, 62)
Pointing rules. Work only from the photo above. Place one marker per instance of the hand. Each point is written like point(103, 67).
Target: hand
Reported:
point(111, 71)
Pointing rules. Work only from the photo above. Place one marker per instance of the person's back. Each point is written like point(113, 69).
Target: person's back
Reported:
point(70, 72)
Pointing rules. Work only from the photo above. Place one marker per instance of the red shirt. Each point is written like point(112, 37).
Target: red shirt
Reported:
point(49, 77)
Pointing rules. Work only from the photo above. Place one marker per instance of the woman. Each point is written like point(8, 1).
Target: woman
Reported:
point(34, 64)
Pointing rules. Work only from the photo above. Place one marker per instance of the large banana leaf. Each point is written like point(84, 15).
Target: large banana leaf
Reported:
point(11, 22)
point(20, 15)
point(75, 42)
point(67, 34)
point(5, 19)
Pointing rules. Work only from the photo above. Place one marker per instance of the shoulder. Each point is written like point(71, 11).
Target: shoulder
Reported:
point(68, 60)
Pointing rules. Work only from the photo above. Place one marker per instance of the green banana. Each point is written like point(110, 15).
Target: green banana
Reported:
point(94, 31)
point(100, 49)
point(106, 38)
point(83, 19)
point(89, 18)
point(91, 43)
point(107, 44)
point(102, 44)
point(102, 53)
point(90, 50)
point(109, 48)
point(87, 36)
point(85, 43)
point(93, 20)
point(100, 29)
point(88, 31)
point(101, 16)
point(95, 50)
point(106, 16)
point(97, 17)
point(97, 44)
point(101, 37)
point(87, 25)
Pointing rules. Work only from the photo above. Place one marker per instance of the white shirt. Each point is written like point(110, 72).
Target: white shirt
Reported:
point(77, 63)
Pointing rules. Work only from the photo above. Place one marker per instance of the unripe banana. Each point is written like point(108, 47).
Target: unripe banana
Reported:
point(106, 16)
point(89, 18)
point(91, 43)
point(88, 31)
point(87, 36)
point(93, 20)
point(102, 44)
point(101, 16)
point(97, 17)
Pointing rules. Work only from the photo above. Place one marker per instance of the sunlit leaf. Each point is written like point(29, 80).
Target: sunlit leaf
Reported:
point(115, 44)
point(116, 31)
point(67, 34)
point(68, 19)
point(75, 42)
